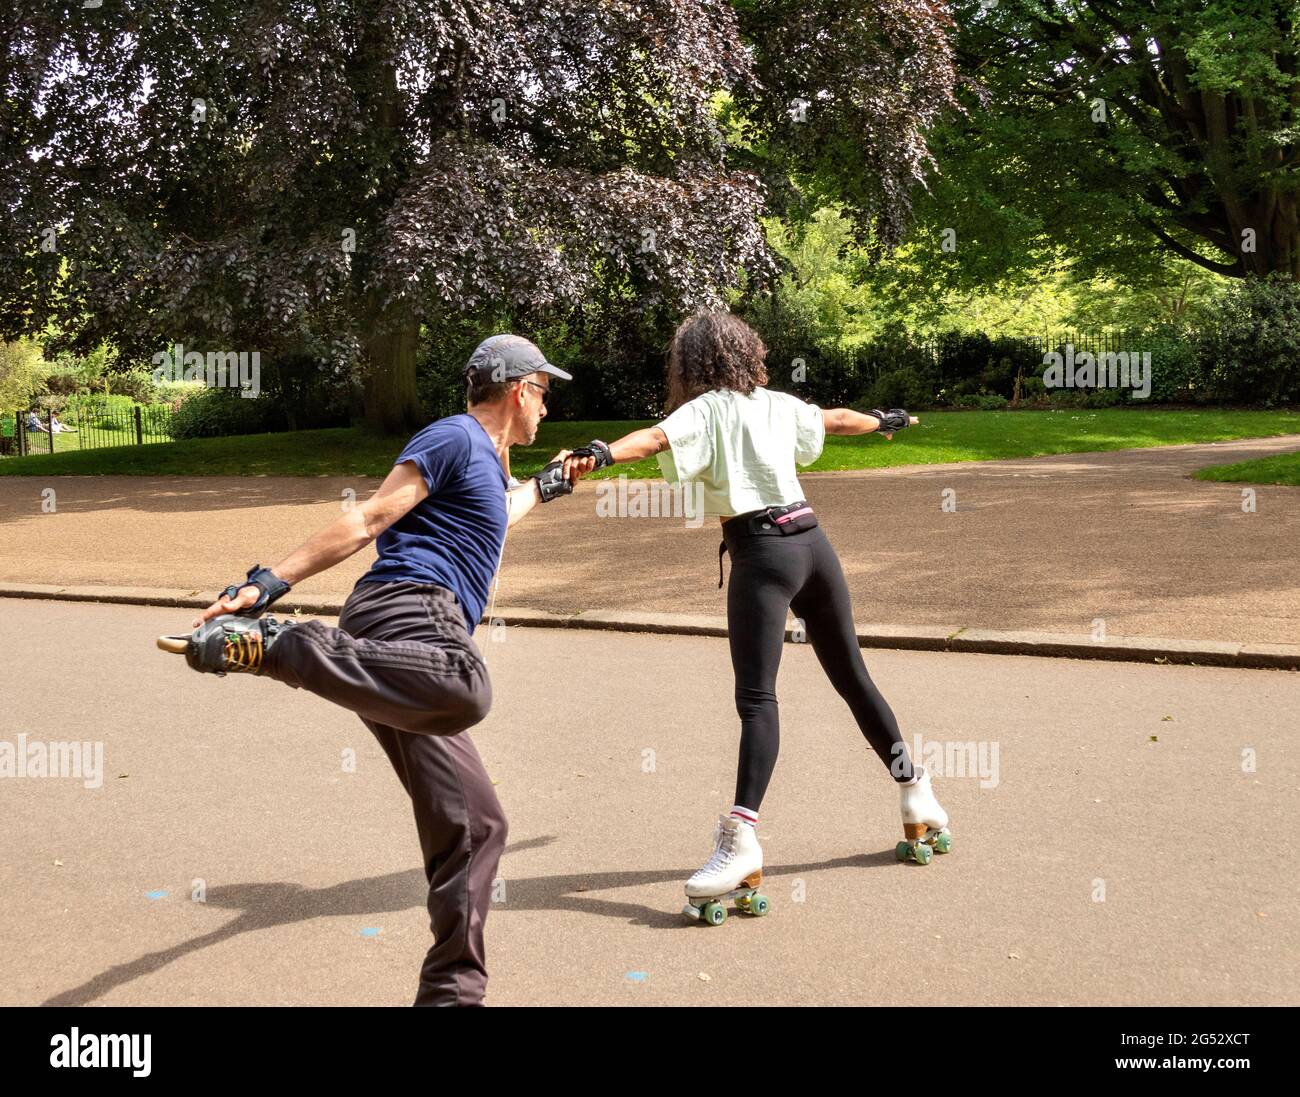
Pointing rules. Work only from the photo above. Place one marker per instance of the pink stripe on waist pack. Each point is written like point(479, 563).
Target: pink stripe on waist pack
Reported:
point(793, 515)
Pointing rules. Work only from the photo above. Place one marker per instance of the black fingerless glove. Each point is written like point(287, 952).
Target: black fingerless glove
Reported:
point(551, 481)
point(598, 450)
point(894, 419)
point(269, 585)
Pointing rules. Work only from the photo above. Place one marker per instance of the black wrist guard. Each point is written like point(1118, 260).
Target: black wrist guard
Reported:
point(551, 481)
point(892, 420)
point(269, 585)
point(598, 450)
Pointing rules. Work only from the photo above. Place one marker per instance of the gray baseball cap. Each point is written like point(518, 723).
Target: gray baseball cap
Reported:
point(509, 357)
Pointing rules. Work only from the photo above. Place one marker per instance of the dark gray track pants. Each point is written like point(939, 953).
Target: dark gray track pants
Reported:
point(403, 660)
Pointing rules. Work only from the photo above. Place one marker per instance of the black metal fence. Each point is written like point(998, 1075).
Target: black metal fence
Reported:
point(85, 426)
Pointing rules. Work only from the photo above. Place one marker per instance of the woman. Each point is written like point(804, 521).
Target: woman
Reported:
point(741, 442)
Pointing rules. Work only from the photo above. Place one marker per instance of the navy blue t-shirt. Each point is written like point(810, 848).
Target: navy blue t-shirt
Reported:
point(453, 537)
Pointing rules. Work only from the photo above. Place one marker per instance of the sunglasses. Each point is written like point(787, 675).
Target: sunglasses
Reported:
point(546, 392)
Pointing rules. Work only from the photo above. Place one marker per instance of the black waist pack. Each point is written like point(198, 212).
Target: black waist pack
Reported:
point(772, 522)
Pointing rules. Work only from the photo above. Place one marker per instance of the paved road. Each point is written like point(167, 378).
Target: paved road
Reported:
point(1103, 867)
point(1048, 544)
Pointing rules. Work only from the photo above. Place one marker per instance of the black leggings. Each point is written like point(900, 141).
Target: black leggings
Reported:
point(770, 574)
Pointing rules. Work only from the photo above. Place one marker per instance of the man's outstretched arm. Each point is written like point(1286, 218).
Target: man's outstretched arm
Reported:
point(565, 466)
point(401, 490)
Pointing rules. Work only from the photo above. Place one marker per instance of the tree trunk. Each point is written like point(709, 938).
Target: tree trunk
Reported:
point(392, 405)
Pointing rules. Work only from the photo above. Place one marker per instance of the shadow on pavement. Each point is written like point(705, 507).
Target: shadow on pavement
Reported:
point(263, 906)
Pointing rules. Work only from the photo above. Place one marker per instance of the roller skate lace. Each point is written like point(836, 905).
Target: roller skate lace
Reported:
point(723, 854)
point(244, 650)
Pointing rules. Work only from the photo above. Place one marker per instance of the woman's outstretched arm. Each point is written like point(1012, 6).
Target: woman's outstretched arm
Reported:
point(848, 421)
point(631, 447)
point(639, 444)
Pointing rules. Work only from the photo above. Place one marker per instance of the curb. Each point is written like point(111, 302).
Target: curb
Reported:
point(1127, 649)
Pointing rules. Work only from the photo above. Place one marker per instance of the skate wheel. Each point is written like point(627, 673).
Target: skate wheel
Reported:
point(943, 843)
point(923, 853)
point(174, 644)
point(902, 850)
point(756, 905)
point(714, 913)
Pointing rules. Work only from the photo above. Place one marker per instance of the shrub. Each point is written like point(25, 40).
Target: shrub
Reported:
point(22, 373)
point(1251, 348)
point(137, 384)
point(100, 411)
point(1105, 397)
point(901, 388)
point(1067, 398)
point(211, 413)
point(981, 401)
point(173, 392)
point(1176, 366)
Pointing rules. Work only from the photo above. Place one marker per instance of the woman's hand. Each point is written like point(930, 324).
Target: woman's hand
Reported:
point(912, 421)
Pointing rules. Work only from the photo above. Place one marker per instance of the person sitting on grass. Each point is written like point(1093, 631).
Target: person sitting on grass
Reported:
point(34, 423)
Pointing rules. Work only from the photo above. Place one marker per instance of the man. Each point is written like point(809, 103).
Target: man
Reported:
point(402, 657)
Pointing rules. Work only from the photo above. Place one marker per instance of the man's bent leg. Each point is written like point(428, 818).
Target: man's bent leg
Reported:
point(401, 657)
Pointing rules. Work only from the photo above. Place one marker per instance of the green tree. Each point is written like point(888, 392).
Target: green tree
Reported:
point(1123, 132)
point(314, 179)
point(22, 374)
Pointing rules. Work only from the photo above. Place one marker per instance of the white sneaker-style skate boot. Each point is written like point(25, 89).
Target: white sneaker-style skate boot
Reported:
point(734, 871)
point(925, 823)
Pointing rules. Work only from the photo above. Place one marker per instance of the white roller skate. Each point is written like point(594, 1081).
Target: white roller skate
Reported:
point(733, 872)
point(925, 823)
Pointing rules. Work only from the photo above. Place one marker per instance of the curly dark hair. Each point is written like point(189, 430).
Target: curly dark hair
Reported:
point(714, 350)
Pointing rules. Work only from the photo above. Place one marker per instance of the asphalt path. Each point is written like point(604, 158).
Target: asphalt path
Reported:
point(1050, 544)
point(1121, 836)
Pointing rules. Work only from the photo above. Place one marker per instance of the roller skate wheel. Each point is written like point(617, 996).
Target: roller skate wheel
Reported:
point(714, 913)
point(943, 843)
point(902, 850)
point(756, 905)
point(923, 853)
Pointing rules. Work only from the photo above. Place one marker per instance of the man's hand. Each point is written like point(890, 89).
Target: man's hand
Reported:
point(553, 479)
point(257, 595)
point(578, 463)
point(558, 477)
point(247, 596)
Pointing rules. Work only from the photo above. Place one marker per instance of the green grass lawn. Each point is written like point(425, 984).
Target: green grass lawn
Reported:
point(1282, 469)
point(942, 436)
